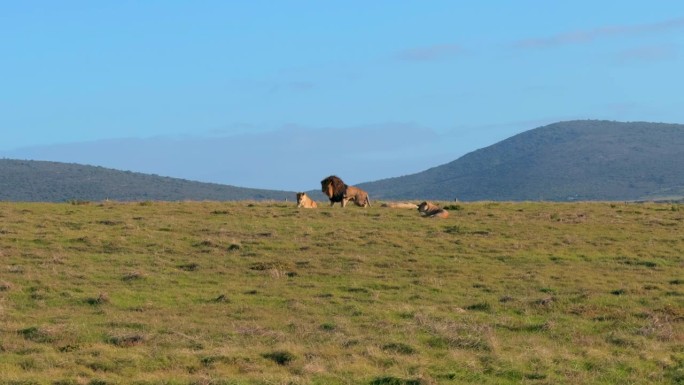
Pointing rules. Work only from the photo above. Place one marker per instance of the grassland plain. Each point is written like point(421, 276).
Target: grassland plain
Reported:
point(265, 293)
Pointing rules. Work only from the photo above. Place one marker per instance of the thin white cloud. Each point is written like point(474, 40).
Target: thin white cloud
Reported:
point(590, 35)
point(648, 54)
point(430, 53)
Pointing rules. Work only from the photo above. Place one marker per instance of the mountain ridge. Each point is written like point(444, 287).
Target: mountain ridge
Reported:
point(573, 160)
point(563, 161)
point(45, 181)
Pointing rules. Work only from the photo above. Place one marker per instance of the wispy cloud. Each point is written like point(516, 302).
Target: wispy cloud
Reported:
point(590, 35)
point(430, 53)
point(648, 54)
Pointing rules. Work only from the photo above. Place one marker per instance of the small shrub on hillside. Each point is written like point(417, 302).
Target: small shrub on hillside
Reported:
point(393, 381)
point(263, 266)
point(221, 298)
point(192, 266)
point(280, 357)
point(453, 207)
point(132, 276)
point(65, 382)
point(618, 292)
point(204, 243)
point(99, 382)
point(453, 230)
point(126, 341)
point(544, 302)
point(328, 326)
point(102, 298)
point(79, 202)
point(68, 348)
point(211, 360)
point(107, 222)
point(398, 347)
point(482, 306)
point(35, 334)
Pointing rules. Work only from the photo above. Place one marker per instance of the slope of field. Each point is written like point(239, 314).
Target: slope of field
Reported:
point(565, 161)
point(39, 181)
point(264, 293)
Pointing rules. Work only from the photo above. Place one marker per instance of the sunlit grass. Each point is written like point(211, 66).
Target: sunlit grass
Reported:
point(264, 293)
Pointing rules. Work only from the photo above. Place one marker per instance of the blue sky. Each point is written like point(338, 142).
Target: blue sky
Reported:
point(279, 94)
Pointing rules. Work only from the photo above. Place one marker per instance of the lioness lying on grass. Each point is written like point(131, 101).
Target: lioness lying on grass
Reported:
point(427, 209)
point(304, 201)
point(399, 205)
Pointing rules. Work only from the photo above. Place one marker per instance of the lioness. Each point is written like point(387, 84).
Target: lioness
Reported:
point(427, 209)
point(357, 195)
point(399, 205)
point(303, 200)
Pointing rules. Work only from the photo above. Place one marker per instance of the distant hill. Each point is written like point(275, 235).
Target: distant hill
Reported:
point(574, 160)
point(39, 181)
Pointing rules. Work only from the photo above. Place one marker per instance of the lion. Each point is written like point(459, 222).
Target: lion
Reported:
point(400, 205)
point(360, 197)
point(337, 191)
point(303, 200)
point(427, 209)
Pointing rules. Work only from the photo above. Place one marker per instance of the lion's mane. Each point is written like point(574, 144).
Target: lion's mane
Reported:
point(334, 188)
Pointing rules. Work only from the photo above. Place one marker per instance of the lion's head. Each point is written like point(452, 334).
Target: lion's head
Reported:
point(426, 207)
point(334, 188)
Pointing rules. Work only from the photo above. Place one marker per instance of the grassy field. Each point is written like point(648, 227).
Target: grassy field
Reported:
point(265, 293)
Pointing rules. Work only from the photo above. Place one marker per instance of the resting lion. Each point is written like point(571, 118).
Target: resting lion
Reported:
point(303, 200)
point(337, 191)
point(357, 195)
point(427, 209)
point(400, 205)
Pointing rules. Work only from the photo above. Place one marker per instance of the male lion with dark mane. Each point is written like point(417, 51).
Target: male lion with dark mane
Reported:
point(427, 209)
point(337, 191)
point(304, 201)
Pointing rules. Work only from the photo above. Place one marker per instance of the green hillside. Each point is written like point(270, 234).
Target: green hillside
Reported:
point(38, 181)
point(576, 160)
